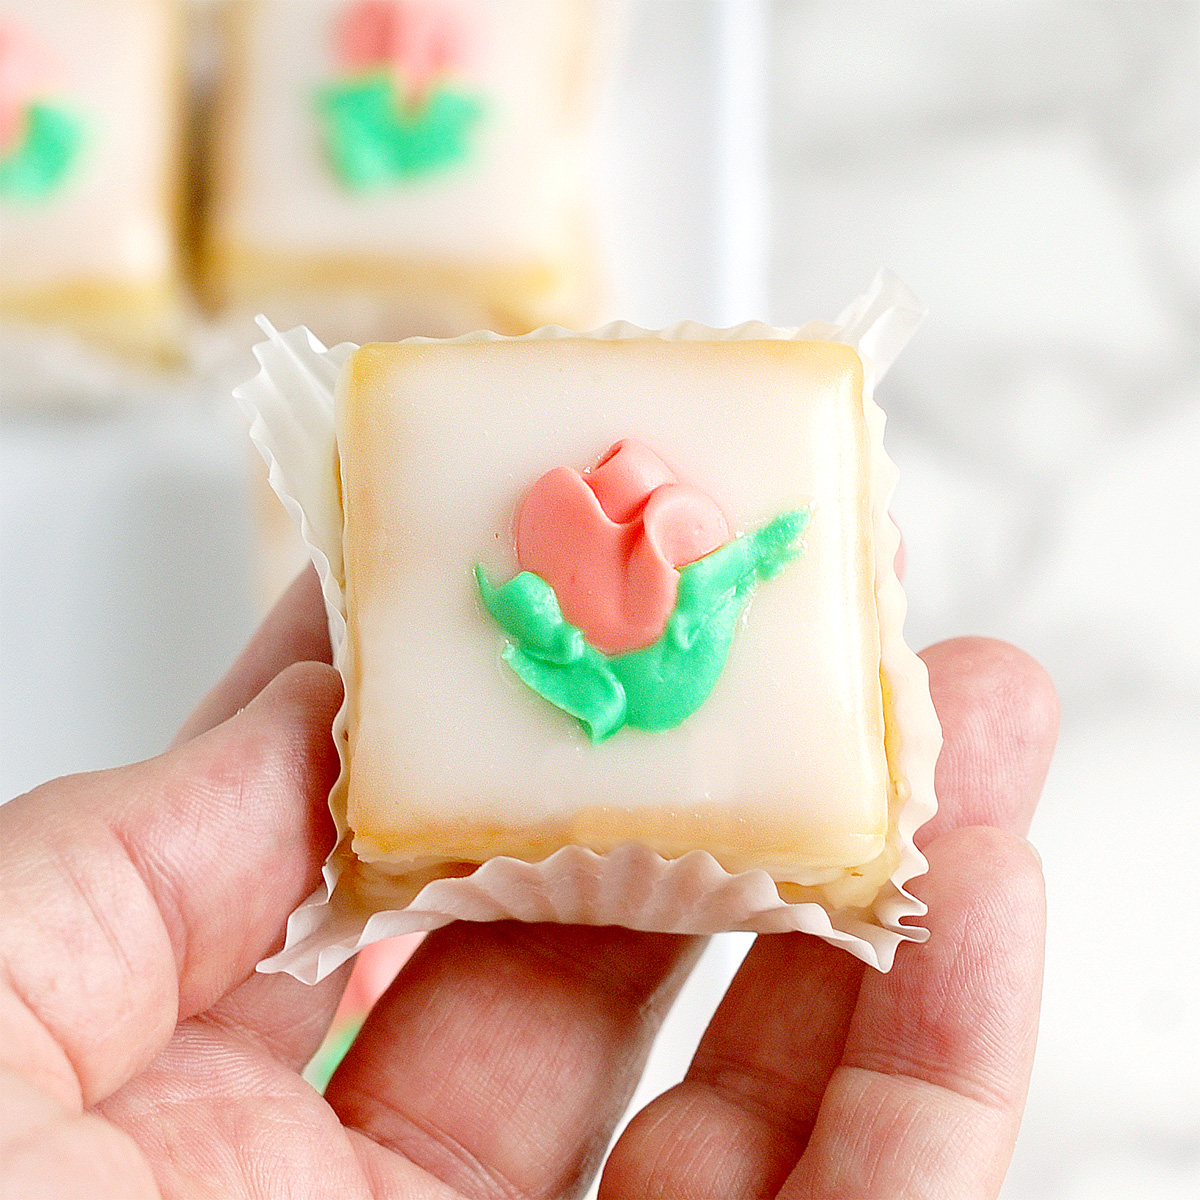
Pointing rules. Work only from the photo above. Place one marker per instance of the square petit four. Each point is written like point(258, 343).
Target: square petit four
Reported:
point(619, 625)
point(90, 170)
point(406, 166)
point(608, 591)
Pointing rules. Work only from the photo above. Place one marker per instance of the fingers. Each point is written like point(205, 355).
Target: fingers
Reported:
point(999, 715)
point(214, 1116)
point(147, 892)
point(294, 631)
point(289, 1020)
point(278, 1015)
point(742, 1117)
point(929, 1093)
point(504, 1056)
point(48, 1150)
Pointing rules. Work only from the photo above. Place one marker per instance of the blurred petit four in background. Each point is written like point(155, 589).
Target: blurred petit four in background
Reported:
point(386, 168)
point(91, 96)
point(375, 169)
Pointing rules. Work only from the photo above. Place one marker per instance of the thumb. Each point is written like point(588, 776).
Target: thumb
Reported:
point(136, 897)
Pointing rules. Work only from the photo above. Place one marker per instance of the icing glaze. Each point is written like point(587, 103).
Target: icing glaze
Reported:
point(609, 542)
point(451, 760)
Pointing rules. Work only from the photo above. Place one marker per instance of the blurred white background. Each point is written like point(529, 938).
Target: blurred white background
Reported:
point(1032, 170)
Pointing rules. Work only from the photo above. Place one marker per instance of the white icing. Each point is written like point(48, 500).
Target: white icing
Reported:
point(112, 222)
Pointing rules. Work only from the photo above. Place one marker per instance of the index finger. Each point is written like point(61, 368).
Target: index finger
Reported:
point(140, 895)
point(999, 714)
point(928, 1095)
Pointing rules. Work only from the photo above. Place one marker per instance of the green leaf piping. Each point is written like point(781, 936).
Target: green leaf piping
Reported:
point(44, 158)
point(373, 138)
point(660, 686)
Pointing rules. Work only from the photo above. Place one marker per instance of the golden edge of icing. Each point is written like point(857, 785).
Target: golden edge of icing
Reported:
point(144, 320)
point(514, 296)
point(669, 832)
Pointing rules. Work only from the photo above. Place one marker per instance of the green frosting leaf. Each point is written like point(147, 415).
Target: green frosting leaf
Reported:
point(553, 657)
point(374, 139)
point(587, 689)
point(43, 160)
point(658, 687)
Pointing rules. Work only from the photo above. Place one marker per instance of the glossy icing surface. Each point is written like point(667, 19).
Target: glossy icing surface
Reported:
point(451, 757)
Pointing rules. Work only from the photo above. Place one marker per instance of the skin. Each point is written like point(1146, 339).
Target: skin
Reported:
point(141, 1056)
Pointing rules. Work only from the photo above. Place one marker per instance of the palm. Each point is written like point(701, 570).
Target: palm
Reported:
point(499, 1062)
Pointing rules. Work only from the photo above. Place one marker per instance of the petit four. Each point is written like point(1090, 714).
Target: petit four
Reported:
point(405, 166)
point(619, 625)
point(90, 164)
point(676, 646)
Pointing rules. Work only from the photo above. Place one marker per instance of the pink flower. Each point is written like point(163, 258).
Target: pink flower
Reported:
point(610, 541)
point(27, 71)
point(417, 40)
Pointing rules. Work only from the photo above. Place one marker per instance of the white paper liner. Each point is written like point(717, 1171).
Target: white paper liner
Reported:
point(291, 407)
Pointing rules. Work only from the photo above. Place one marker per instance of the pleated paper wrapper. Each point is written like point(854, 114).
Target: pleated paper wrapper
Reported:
point(290, 404)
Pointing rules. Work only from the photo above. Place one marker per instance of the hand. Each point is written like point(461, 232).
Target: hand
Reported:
point(140, 1055)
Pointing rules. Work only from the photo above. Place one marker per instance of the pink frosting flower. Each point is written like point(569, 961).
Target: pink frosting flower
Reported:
point(417, 40)
point(27, 71)
point(610, 541)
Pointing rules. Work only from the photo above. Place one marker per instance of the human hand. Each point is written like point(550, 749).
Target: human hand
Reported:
point(140, 1056)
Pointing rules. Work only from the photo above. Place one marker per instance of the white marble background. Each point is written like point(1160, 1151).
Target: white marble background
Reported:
point(1033, 171)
